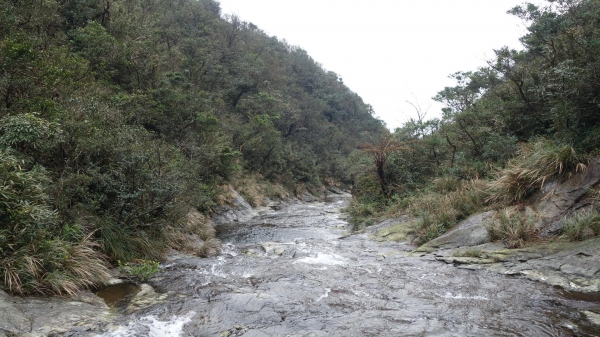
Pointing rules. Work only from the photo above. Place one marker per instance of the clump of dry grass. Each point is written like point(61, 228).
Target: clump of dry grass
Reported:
point(211, 247)
point(535, 164)
point(256, 190)
point(54, 267)
point(513, 227)
point(196, 226)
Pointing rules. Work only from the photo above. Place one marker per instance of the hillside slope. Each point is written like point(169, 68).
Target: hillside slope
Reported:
point(118, 117)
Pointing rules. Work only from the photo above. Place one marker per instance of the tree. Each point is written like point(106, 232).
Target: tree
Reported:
point(380, 153)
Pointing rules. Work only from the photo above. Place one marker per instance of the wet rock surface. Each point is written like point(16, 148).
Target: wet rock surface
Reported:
point(571, 266)
point(33, 317)
point(296, 272)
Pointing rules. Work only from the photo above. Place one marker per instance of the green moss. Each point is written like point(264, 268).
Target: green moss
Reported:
point(403, 231)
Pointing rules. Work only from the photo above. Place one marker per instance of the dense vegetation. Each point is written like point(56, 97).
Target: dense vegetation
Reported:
point(119, 117)
point(528, 117)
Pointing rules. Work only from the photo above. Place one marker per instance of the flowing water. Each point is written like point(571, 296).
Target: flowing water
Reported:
point(295, 272)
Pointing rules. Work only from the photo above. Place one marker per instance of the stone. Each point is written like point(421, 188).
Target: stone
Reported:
point(145, 298)
point(396, 230)
point(272, 248)
point(336, 190)
point(12, 320)
point(307, 197)
point(566, 198)
point(255, 333)
point(237, 210)
point(593, 317)
point(58, 315)
point(470, 232)
point(465, 260)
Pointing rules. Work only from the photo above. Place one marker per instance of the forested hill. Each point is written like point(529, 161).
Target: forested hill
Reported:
point(118, 117)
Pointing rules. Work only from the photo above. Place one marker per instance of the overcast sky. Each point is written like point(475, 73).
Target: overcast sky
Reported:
point(390, 51)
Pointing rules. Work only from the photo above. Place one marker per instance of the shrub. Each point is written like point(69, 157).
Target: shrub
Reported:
point(514, 228)
point(582, 226)
point(535, 164)
point(38, 254)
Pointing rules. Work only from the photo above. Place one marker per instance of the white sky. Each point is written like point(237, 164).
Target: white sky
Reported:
point(390, 51)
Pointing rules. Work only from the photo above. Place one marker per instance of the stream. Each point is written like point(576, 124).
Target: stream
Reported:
point(295, 271)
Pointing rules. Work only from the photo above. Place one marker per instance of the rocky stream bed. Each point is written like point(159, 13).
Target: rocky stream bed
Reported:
point(294, 270)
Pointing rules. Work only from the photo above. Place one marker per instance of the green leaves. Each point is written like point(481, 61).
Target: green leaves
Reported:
point(29, 134)
point(117, 119)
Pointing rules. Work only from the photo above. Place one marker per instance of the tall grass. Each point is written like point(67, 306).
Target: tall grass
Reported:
point(38, 253)
point(54, 267)
point(442, 208)
point(185, 237)
point(582, 226)
point(535, 164)
point(256, 190)
point(514, 228)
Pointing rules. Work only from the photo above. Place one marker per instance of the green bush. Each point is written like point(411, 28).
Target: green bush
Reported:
point(38, 254)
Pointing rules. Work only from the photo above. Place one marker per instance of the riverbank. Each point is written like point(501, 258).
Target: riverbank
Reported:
point(296, 270)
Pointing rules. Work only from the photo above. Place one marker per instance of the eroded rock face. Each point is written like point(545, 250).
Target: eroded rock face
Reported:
point(567, 197)
point(238, 210)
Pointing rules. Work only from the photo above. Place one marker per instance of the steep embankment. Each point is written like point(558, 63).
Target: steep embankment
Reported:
point(553, 259)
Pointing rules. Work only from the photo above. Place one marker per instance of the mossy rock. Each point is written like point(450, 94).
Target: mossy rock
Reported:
point(400, 232)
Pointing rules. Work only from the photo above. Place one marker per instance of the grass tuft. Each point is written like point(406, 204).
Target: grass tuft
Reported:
point(54, 267)
point(516, 229)
point(535, 164)
point(471, 252)
point(582, 226)
point(256, 190)
point(439, 212)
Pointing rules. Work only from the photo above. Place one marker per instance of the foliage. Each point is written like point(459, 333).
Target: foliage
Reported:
point(582, 225)
point(37, 253)
point(528, 117)
point(514, 228)
point(117, 119)
point(380, 153)
point(142, 269)
point(441, 210)
point(536, 163)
